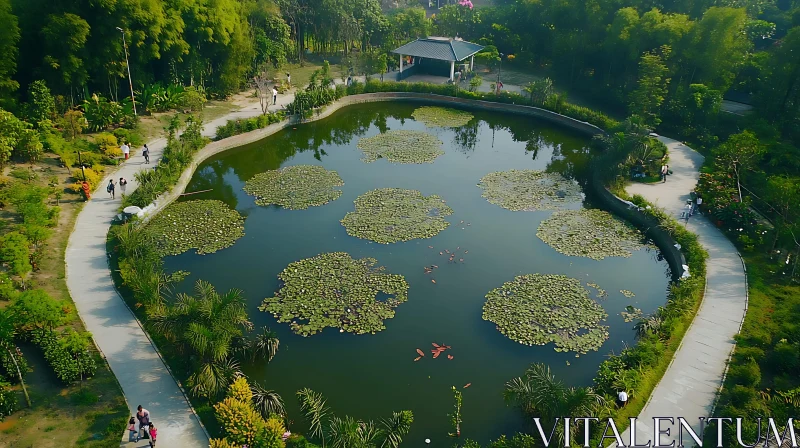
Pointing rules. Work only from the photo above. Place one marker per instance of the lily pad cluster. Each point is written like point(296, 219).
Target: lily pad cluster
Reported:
point(538, 309)
point(626, 293)
point(527, 190)
point(204, 225)
point(295, 187)
point(601, 293)
point(401, 146)
point(589, 233)
point(442, 116)
point(335, 290)
point(389, 215)
point(630, 314)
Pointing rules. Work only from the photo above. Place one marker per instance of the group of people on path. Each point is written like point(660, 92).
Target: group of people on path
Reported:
point(111, 188)
point(147, 430)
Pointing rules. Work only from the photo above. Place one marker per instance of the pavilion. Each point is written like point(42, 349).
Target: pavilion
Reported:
point(439, 48)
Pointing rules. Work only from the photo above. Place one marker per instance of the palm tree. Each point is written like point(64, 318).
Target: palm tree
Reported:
point(205, 326)
point(7, 333)
point(540, 394)
point(267, 402)
point(314, 408)
point(395, 428)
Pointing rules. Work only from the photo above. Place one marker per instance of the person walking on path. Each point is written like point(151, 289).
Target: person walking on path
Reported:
point(87, 193)
point(289, 79)
point(153, 434)
point(146, 154)
point(274, 95)
point(664, 169)
point(143, 415)
point(126, 150)
point(132, 436)
point(122, 184)
point(110, 188)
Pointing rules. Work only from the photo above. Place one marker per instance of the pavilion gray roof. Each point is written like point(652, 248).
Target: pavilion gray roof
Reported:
point(441, 48)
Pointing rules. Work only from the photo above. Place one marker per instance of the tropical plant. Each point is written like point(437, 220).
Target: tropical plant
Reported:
point(539, 394)
point(267, 402)
point(395, 428)
point(204, 326)
point(264, 345)
point(315, 410)
point(540, 91)
point(7, 334)
point(455, 417)
point(101, 113)
point(348, 432)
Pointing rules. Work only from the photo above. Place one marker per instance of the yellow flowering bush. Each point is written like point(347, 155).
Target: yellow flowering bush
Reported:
point(239, 420)
point(240, 390)
point(221, 443)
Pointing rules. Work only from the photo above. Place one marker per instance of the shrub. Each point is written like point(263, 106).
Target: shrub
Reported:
point(747, 374)
point(34, 309)
point(92, 177)
point(129, 136)
point(222, 443)
point(8, 401)
point(8, 369)
point(741, 396)
point(298, 441)
point(15, 250)
point(236, 127)
point(239, 420)
point(240, 390)
point(68, 354)
point(785, 358)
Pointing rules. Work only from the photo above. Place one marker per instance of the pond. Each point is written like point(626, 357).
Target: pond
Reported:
point(368, 376)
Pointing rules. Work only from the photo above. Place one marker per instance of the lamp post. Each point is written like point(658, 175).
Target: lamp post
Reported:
point(499, 69)
point(130, 80)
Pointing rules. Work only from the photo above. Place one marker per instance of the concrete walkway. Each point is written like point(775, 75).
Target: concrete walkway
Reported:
point(140, 370)
point(690, 385)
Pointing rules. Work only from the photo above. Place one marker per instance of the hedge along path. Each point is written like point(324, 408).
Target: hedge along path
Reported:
point(389, 215)
point(295, 187)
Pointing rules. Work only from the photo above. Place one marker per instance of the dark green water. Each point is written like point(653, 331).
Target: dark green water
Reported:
point(368, 376)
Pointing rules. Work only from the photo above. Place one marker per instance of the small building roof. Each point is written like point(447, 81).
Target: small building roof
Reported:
point(442, 48)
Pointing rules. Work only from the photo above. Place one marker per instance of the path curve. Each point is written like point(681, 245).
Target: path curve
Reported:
point(690, 385)
point(131, 355)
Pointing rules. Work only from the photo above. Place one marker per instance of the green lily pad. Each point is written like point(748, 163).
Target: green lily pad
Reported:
point(626, 293)
point(539, 309)
point(442, 116)
point(389, 215)
point(205, 225)
point(589, 233)
point(630, 314)
point(334, 290)
point(295, 187)
point(401, 146)
point(527, 190)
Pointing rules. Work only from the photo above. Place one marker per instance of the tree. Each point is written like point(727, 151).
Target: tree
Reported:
point(7, 334)
point(263, 86)
point(651, 89)
point(34, 309)
point(9, 38)
point(779, 95)
point(475, 83)
point(716, 47)
point(11, 132)
point(740, 153)
point(15, 250)
point(41, 105)
point(204, 326)
point(64, 38)
point(539, 394)
point(783, 193)
point(73, 123)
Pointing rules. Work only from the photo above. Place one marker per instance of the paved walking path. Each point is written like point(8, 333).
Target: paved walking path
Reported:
point(690, 384)
point(142, 374)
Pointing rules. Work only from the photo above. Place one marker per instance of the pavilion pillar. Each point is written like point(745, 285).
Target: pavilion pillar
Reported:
point(472, 63)
point(401, 64)
point(452, 69)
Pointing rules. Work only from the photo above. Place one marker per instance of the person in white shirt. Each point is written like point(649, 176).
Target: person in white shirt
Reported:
point(274, 95)
point(126, 150)
point(623, 398)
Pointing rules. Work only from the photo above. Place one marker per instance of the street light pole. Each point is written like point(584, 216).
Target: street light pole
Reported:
point(500, 67)
point(130, 80)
